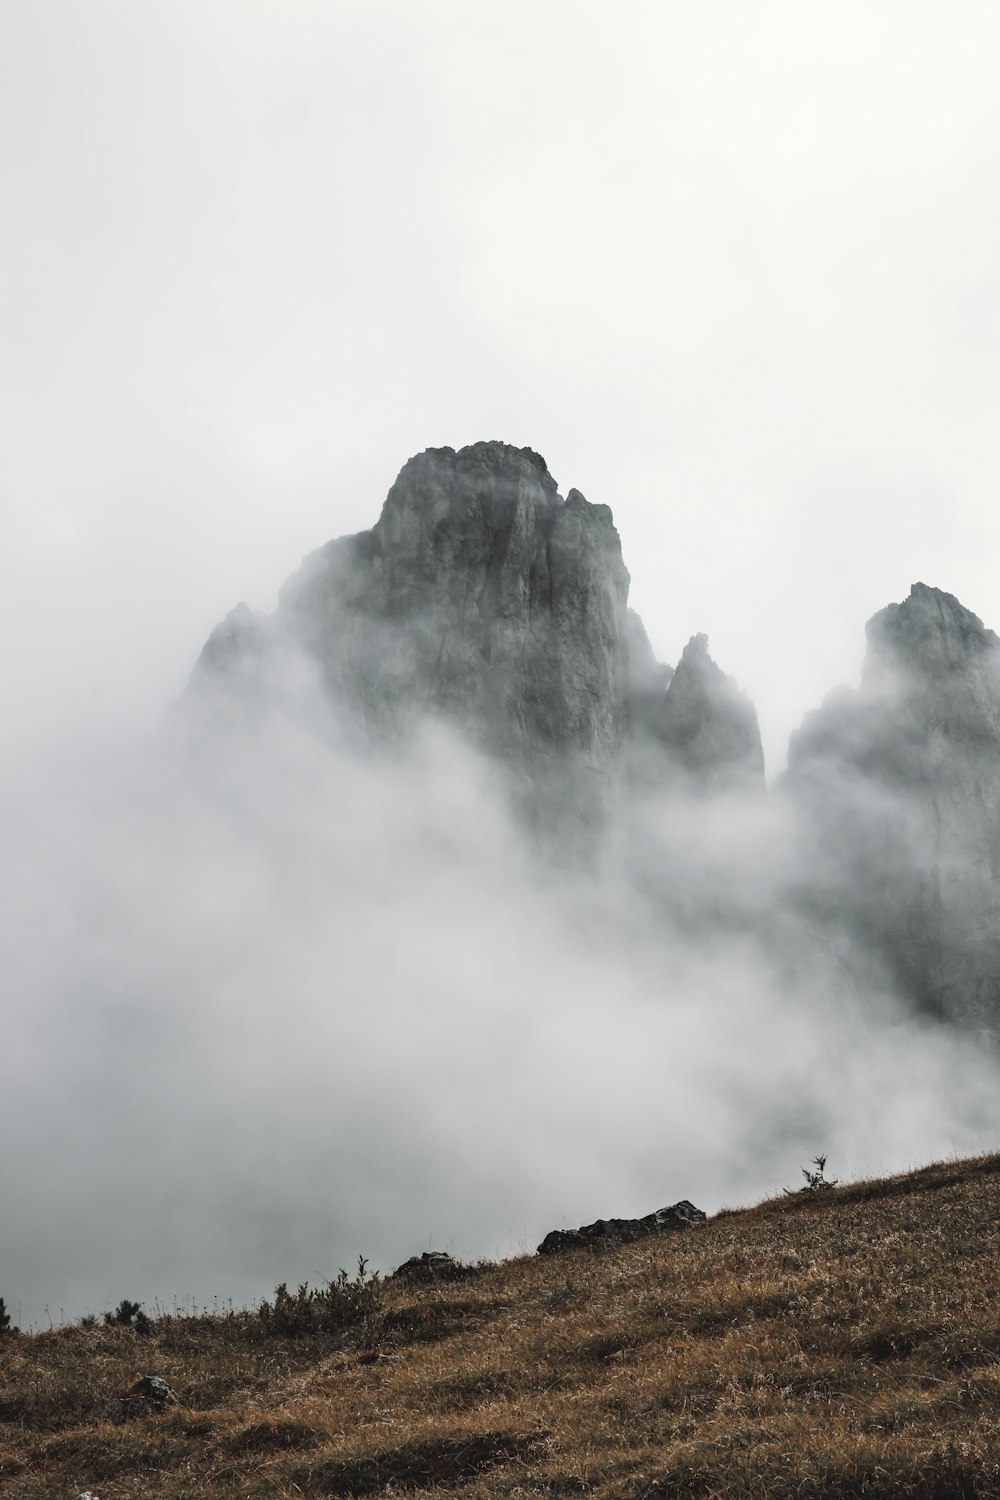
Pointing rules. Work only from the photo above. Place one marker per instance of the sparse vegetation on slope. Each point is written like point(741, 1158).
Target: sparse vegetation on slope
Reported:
point(836, 1343)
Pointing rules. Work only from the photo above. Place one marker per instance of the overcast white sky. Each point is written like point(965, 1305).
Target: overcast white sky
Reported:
point(733, 269)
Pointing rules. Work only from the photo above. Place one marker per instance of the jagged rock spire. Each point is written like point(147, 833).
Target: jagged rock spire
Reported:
point(708, 725)
point(482, 596)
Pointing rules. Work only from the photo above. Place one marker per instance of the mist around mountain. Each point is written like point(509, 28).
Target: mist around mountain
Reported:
point(441, 914)
point(484, 600)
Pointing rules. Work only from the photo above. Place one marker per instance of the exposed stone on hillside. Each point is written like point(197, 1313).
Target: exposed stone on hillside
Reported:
point(900, 785)
point(433, 1265)
point(149, 1395)
point(605, 1234)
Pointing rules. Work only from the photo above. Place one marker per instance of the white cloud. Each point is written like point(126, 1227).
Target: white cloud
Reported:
point(731, 269)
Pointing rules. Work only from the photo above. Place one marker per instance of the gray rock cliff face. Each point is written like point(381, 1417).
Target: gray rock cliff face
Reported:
point(899, 783)
point(483, 597)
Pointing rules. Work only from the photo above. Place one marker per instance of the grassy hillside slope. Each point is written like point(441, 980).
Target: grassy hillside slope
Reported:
point(842, 1342)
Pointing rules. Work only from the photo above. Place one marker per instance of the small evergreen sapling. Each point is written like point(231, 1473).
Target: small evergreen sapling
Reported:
point(816, 1180)
point(129, 1315)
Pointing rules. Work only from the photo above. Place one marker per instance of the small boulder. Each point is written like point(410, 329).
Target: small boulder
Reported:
point(432, 1265)
point(148, 1396)
point(605, 1234)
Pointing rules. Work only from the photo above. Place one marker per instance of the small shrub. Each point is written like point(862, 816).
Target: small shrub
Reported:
point(129, 1315)
point(346, 1302)
point(815, 1181)
point(5, 1324)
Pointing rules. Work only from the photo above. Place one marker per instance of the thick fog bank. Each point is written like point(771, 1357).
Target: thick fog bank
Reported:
point(276, 1002)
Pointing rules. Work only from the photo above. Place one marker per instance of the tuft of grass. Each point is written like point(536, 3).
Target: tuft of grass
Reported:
point(274, 1434)
point(442, 1461)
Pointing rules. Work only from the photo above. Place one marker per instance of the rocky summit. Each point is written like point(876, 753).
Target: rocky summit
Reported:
point(483, 597)
point(898, 784)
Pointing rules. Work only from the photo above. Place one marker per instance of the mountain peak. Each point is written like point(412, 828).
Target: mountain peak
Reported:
point(488, 470)
point(483, 597)
point(930, 630)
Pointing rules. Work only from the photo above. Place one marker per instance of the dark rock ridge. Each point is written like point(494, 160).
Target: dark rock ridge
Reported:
point(605, 1234)
point(899, 787)
point(480, 595)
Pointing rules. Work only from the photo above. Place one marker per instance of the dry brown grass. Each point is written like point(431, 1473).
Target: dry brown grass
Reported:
point(842, 1343)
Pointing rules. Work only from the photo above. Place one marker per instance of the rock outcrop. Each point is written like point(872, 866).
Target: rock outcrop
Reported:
point(149, 1395)
point(433, 1265)
point(899, 787)
point(482, 597)
point(605, 1234)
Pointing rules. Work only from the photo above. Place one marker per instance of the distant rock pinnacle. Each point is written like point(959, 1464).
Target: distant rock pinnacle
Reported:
point(709, 726)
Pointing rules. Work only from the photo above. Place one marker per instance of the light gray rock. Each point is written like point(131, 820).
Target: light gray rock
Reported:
point(149, 1395)
point(899, 787)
